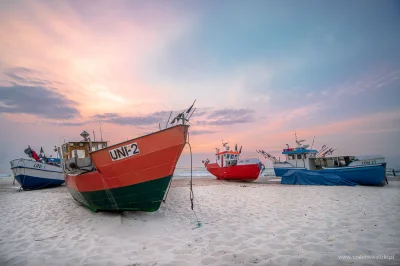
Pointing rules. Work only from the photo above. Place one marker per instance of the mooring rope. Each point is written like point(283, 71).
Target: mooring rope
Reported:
point(197, 221)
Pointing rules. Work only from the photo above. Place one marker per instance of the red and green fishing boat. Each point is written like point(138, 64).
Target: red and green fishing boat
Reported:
point(131, 175)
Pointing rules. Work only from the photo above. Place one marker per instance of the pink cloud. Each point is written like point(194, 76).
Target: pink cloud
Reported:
point(99, 59)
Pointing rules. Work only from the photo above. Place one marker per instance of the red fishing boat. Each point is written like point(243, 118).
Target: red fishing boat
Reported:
point(131, 175)
point(229, 166)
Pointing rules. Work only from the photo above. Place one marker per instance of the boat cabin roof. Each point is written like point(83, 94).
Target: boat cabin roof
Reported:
point(83, 141)
point(227, 152)
point(298, 151)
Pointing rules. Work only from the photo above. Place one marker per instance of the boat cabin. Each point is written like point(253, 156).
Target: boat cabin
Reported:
point(81, 149)
point(227, 158)
point(299, 157)
point(313, 160)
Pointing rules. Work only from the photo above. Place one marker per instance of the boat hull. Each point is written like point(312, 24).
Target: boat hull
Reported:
point(368, 175)
point(137, 182)
point(145, 196)
point(249, 172)
point(36, 175)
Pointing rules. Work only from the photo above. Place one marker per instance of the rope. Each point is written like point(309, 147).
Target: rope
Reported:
point(166, 194)
point(198, 223)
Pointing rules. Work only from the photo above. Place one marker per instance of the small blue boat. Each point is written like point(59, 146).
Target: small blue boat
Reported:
point(367, 170)
point(37, 172)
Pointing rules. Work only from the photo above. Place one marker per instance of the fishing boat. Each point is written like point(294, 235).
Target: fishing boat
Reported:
point(37, 172)
point(131, 175)
point(326, 168)
point(229, 166)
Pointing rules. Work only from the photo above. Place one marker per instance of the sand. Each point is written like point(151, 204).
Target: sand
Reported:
point(241, 224)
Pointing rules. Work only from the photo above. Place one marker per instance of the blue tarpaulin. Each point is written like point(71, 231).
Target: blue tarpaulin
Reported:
point(296, 177)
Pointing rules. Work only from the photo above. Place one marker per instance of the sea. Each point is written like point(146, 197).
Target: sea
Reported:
point(201, 172)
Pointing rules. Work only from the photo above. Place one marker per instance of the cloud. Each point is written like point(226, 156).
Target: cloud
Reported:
point(138, 120)
point(228, 117)
point(202, 132)
point(373, 80)
point(26, 76)
point(105, 116)
point(36, 100)
point(69, 124)
point(204, 117)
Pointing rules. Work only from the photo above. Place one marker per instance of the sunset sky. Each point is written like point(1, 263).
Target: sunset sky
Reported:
point(259, 70)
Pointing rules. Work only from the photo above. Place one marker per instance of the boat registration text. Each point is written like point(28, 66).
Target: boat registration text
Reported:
point(124, 152)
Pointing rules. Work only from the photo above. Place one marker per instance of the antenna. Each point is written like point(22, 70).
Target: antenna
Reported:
point(101, 134)
point(94, 136)
point(168, 119)
point(312, 142)
point(191, 113)
point(190, 108)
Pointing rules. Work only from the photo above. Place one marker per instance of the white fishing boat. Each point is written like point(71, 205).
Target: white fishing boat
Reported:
point(37, 172)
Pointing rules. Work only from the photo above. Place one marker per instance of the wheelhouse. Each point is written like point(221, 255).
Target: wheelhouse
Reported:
point(299, 157)
point(81, 149)
point(227, 158)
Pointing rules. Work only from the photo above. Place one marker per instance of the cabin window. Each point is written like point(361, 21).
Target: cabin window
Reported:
point(305, 155)
point(80, 154)
point(64, 148)
point(291, 157)
point(218, 157)
point(298, 156)
point(232, 156)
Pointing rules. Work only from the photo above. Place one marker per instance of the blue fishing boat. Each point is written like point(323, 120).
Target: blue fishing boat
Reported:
point(362, 170)
point(38, 171)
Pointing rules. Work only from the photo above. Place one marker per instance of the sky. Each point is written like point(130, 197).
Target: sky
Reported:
point(259, 71)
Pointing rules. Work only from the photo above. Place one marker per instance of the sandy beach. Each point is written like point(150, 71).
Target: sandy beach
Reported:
point(241, 224)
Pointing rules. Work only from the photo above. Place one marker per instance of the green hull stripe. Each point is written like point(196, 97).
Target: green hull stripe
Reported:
point(146, 196)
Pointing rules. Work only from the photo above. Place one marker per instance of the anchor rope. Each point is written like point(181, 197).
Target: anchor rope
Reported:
point(198, 222)
point(191, 194)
